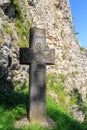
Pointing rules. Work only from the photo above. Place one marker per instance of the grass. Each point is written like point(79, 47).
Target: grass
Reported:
point(7, 29)
point(57, 85)
point(10, 113)
point(19, 9)
point(13, 107)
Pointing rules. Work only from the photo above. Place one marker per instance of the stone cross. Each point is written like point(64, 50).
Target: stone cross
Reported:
point(37, 57)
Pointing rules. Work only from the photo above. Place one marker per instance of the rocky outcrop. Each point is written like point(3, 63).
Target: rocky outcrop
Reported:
point(4, 2)
point(55, 17)
point(10, 70)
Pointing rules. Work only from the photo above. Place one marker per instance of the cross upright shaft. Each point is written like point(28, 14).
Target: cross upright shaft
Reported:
point(37, 57)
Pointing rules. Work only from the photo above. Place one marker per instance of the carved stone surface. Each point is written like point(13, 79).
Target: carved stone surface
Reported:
point(46, 57)
point(37, 57)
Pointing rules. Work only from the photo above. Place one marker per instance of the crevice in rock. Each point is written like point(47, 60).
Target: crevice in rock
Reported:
point(10, 11)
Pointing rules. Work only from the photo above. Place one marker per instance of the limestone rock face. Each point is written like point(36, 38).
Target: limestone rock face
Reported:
point(4, 3)
point(10, 70)
point(55, 17)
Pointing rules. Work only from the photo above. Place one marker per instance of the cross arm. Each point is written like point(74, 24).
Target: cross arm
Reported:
point(49, 56)
point(25, 56)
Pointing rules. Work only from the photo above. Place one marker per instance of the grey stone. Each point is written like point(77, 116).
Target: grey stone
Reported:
point(37, 57)
point(78, 113)
point(4, 3)
point(32, 2)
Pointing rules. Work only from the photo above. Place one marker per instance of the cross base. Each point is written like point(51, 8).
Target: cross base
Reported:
point(24, 122)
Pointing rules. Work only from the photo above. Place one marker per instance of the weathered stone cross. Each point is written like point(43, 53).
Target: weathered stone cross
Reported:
point(37, 57)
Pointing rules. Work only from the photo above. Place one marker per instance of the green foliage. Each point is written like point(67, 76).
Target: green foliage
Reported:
point(10, 99)
point(73, 73)
point(73, 100)
point(64, 56)
point(21, 22)
point(34, 127)
point(62, 118)
point(57, 84)
point(7, 29)
point(19, 111)
point(3, 79)
point(22, 87)
point(82, 48)
point(77, 42)
point(13, 107)
point(22, 29)
point(1, 14)
point(1, 40)
point(62, 33)
point(6, 119)
point(23, 32)
point(75, 65)
point(19, 9)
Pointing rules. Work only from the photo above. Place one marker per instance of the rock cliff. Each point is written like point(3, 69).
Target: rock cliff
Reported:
point(55, 16)
point(16, 18)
